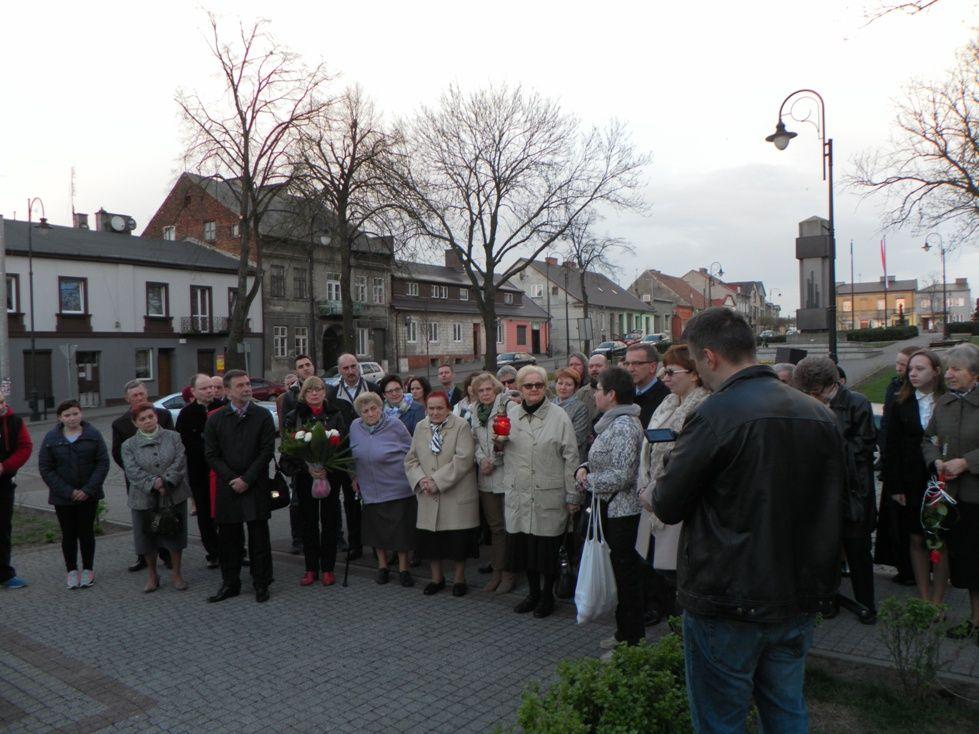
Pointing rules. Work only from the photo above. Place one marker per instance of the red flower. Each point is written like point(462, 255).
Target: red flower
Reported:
point(334, 441)
point(935, 556)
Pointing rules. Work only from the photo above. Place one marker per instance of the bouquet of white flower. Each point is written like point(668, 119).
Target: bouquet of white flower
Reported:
point(322, 449)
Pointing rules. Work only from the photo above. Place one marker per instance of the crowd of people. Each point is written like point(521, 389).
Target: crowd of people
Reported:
point(735, 491)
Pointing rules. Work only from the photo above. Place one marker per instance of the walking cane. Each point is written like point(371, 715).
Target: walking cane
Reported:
point(346, 564)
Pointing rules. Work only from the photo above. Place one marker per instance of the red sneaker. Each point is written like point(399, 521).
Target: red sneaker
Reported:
point(328, 578)
point(308, 578)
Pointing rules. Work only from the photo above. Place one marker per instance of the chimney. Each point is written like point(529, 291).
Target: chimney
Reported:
point(79, 220)
point(453, 259)
point(551, 261)
point(964, 282)
point(115, 223)
point(569, 264)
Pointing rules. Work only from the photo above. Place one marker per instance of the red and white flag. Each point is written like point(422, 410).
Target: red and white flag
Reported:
point(883, 258)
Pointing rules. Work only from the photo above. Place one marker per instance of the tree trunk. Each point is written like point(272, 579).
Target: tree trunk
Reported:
point(584, 308)
point(348, 339)
point(487, 308)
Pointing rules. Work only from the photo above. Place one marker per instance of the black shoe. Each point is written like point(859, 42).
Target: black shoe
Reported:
point(354, 553)
point(527, 605)
point(434, 587)
point(225, 592)
point(383, 575)
point(651, 618)
point(832, 612)
point(297, 548)
point(415, 562)
point(165, 557)
point(261, 594)
point(212, 562)
point(488, 568)
point(867, 616)
point(139, 565)
point(459, 588)
point(406, 578)
point(544, 607)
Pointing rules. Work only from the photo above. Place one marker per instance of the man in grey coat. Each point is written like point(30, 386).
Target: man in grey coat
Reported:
point(239, 442)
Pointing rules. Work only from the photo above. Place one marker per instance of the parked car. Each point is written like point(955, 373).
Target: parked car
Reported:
point(263, 389)
point(612, 350)
point(515, 359)
point(654, 338)
point(175, 401)
point(632, 337)
point(368, 370)
point(791, 331)
point(767, 334)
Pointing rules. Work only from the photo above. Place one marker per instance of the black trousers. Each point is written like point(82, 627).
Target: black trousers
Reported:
point(860, 559)
point(77, 532)
point(7, 571)
point(620, 534)
point(352, 511)
point(201, 489)
point(231, 541)
point(319, 519)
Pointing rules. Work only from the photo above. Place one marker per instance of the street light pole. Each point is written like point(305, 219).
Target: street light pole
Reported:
point(35, 412)
point(942, 251)
point(781, 138)
point(710, 280)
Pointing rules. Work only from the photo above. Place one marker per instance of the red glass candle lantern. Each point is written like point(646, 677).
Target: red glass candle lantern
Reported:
point(501, 426)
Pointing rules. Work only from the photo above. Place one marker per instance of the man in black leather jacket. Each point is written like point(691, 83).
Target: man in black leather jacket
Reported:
point(757, 477)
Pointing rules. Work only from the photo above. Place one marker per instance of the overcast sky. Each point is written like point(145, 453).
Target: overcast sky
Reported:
point(91, 85)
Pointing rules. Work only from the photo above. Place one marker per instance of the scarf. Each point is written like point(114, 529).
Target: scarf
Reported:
point(435, 445)
point(150, 436)
point(608, 416)
point(397, 410)
point(376, 427)
point(531, 409)
point(483, 413)
point(962, 393)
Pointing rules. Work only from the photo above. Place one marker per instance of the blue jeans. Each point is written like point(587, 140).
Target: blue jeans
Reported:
point(728, 662)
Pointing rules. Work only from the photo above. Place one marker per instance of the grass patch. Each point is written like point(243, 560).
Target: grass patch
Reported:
point(847, 697)
point(34, 527)
point(875, 385)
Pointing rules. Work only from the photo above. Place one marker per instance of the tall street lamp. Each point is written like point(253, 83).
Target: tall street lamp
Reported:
point(942, 251)
point(710, 279)
point(35, 412)
point(781, 138)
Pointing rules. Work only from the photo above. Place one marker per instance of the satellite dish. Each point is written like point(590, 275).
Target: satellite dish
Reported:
point(117, 223)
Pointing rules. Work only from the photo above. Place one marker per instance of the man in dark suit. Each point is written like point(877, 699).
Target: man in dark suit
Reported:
point(239, 442)
point(447, 382)
point(123, 428)
point(642, 361)
point(190, 426)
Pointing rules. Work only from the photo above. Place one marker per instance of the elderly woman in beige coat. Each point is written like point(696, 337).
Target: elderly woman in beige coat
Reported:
point(440, 466)
point(540, 458)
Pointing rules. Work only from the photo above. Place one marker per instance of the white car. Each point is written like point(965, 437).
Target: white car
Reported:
point(368, 370)
point(175, 401)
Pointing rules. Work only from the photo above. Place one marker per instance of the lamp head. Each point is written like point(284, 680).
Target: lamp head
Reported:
point(781, 136)
point(926, 247)
point(720, 272)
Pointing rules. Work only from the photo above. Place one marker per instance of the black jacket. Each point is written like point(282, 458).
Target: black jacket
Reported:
point(757, 477)
point(69, 465)
point(855, 418)
point(345, 400)
point(333, 416)
point(240, 447)
point(649, 401)
point(905, 471)
point(190, 426)
point(890, 395)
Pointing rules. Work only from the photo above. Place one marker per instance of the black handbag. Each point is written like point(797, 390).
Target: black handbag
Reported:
point(163, 520)
point(568, 574)
point(278, 489)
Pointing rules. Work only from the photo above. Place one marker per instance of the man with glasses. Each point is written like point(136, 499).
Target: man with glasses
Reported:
point(641, 360)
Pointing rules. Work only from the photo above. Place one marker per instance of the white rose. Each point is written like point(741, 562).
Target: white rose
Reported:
point(299, 435)
point(332, 432)
point(308, 437)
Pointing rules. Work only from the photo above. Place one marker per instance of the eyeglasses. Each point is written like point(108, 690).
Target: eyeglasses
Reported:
point(637, 363)
point(533, 385)
point(507, 382)
point(393, 391)
point(670, 371)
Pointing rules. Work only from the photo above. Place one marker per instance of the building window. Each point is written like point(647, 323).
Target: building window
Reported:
point(72, 297)
point(360, 288)
point(377, 290)
point(959, 301)
point(440, 291)
point(300, 279)
point(301, 334)
point(433, 331)
point(463, 294)
point(157, 300)
point(280, 341)
point(13, 293)
point(236, 230)
point(900, 305)
point(200, 308)
point(333, 286)
point(847, 306)
point(646, 298)
point(925, 304)
point(277, 281)
point(170, 233)
point(508, 298)
point(210, 231)
point(457, 332)
point(412, 288)
point(411, 331)
point(522, 335)
point(499, 331)
point(880, 304)
point(537, 290)
point(363, 341)
point(553, 290)
point(144, 364)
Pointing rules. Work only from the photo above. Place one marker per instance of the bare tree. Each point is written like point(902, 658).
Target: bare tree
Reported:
point(242, 140)
point(591, 253)
point(340, 161)
point(880, 8)
point(501, 172)
point(930, 171)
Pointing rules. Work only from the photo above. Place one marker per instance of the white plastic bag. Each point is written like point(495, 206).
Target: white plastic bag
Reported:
point(595, 594)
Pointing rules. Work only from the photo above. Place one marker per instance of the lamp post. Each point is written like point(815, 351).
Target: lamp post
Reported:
point(942, 250)
point(710, 280)
point(780, 138)
point(35, 413)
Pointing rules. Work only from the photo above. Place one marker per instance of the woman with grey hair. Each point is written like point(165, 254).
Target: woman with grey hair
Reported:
point(784, 371)
point(951, 448)
point(819, 378)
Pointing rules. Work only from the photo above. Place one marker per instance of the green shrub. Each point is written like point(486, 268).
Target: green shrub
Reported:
point(883, 334)
point(965, 327)
point(912, 638)
point(662, 346)
point(640, 690)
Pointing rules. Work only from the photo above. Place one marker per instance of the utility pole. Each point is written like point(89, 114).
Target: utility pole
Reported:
point(4, 336)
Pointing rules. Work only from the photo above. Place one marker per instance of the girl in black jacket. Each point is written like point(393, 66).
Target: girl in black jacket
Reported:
point(74, 463)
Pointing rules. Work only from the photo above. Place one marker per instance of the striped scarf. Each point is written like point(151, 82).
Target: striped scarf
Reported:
point(436, 443)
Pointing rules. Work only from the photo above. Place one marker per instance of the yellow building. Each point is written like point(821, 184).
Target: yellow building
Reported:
point(870, 305)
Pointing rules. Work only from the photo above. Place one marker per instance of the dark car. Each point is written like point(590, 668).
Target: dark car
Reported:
point(612, 350)
point(632, 337)
point(515, 359)
point(263, 389)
